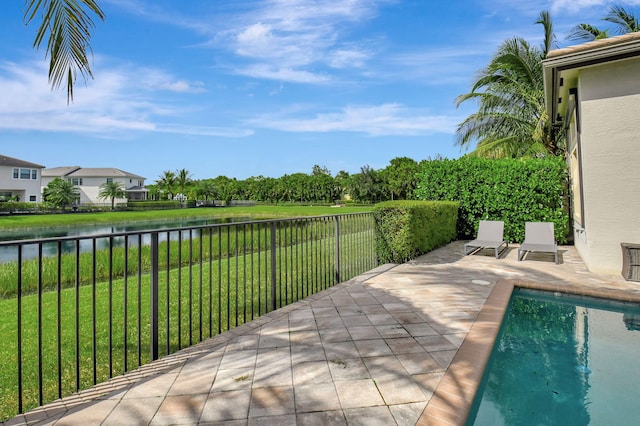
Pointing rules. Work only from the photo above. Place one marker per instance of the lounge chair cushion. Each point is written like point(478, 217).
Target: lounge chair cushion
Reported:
point(538, 237)
point(490, 236)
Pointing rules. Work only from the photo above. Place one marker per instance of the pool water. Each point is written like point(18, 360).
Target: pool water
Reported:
point(562, 360)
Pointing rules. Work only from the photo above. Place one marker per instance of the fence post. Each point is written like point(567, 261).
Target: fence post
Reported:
point(19, 300)
point(336, 220)
point(274, 304)
point(153, 337)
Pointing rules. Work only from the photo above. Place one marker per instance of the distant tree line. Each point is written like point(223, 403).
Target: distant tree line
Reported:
point(396, 181)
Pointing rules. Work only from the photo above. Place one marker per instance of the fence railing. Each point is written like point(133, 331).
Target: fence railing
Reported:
point(85, 309)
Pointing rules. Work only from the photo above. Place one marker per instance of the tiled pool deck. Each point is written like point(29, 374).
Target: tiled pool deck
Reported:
point(402, 344)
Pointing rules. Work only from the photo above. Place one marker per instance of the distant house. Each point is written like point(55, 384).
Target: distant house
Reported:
point(593, 91)
point(20, 180)
point(89, 179)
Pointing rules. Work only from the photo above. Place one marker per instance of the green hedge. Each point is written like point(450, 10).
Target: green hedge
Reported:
point(512, 190)
point(407, 229)
point(153, 205)
point(16, 206)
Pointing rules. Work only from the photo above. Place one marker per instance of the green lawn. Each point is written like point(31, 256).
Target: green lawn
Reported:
point(255, 212)
point(225, 286)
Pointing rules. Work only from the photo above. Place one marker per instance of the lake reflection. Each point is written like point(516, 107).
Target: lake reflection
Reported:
point(30, 251)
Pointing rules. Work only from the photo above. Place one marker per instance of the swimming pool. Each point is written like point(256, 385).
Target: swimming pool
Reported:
point(562, 360)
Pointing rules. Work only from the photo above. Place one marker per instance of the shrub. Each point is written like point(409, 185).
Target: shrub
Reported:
point(512, 190)
point(154, 205)
point(18, 207)
point(407, 229)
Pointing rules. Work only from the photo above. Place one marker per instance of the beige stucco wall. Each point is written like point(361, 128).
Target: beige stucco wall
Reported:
point(609, 102)
point(90, 189)
point(23, 187)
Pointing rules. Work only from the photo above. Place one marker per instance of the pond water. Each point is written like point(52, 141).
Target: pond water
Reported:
point(9, 253)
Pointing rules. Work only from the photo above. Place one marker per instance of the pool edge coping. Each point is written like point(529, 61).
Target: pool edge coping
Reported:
point(453, 397)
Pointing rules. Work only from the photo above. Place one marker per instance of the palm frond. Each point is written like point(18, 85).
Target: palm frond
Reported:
point(509, 91)
point(549, 41)
point(624, 19)
point(67, 25)
point(586, 32)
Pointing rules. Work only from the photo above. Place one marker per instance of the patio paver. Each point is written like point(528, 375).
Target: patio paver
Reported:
point(387, 347)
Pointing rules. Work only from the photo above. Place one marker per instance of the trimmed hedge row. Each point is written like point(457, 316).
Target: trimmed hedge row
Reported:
point(407, 229)
point(512, 190)
point(16, 206)
point(154, 205)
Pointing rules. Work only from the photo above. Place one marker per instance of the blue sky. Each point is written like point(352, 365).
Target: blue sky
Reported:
point(262, 87)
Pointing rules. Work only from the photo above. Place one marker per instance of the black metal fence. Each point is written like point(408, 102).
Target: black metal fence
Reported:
point(77, 311)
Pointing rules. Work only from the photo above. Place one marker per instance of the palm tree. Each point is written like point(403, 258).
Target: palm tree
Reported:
point(511, 120)
point(112, 190)
point(586, 32)
point(183, 179)
point(623, 20)
point(167, 183)
point(206, 190)
point(60, 193)
point(67, 24)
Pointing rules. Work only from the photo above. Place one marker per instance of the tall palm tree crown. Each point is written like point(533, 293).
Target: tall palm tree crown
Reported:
point(111, 191)
point(167, 183)
point(61, 193)
point(183, 179)
point(511, 120)
point(623, 20)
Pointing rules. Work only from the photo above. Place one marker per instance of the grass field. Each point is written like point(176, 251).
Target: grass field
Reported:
point(254, 212)
point(225, 285)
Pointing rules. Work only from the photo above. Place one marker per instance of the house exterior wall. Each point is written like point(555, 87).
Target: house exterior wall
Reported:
point(609, 107)
point(90, 189)
point(27, 189)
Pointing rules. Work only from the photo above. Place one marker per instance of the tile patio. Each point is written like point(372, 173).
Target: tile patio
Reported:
point(401, 344)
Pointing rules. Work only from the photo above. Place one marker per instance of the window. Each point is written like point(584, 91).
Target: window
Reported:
point(109, 180)
point(140, 183)
point(20, 173)
point(32, 198)
point(575, 159)
point(75, 181)
point(574, 174)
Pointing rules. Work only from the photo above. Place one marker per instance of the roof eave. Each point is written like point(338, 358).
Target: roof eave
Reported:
point(573, 58)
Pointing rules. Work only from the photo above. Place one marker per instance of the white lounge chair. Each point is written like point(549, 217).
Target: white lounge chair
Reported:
point(490, 236)
point(538, 237)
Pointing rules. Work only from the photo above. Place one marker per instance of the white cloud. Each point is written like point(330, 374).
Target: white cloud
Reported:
point(297, 41)
point(374, 120)
point(436, 66)
point(155, 80)
point(346, 58)
point(155, 12)
point(574, 5)
point(116, 102)
point(269, 72)
point(255, 36)
point(294, 38)
point(202, 130)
